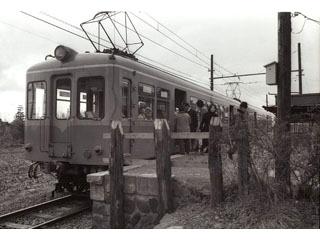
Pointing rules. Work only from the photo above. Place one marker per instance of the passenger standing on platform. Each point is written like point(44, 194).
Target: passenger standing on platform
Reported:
point(176, 111)
point(205, 123)
point(202, 109)
point(193, 124)
point(182, 124)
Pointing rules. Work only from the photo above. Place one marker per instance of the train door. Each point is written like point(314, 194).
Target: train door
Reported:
point(180, 97)
point(60, 142)
point(126, 113)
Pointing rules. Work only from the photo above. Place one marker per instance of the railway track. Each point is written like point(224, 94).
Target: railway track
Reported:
point(45, 214)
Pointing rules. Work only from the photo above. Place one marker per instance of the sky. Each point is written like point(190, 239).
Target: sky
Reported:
point(242, 36)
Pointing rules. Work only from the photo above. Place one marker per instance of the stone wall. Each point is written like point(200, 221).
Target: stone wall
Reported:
point(140, 203)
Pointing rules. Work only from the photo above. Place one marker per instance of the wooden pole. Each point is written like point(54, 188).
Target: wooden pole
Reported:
point(243, 158)
point(215, 162)
point(211, 74)
point(282, 162)
point(299, 68)
point(116, 176)
point(163, 165)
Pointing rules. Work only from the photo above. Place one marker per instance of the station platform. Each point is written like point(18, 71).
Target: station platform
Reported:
point(190, 172)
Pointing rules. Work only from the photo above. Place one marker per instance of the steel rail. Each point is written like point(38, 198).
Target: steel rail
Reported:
point(62, 217)
point(35, 207)
point(50, 203)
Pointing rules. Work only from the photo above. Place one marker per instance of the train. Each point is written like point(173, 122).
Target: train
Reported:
point(72, 98)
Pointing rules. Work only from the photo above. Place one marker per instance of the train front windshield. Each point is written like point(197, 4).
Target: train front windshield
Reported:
point(36, 100)
point(91, 98)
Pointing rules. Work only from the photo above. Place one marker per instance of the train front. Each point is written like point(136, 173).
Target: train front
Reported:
point(66, 116)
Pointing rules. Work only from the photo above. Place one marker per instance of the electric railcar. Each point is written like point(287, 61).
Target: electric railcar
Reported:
point(72, 99)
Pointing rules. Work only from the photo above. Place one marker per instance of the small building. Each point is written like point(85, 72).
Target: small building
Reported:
point(304, 108)
point(271, 73)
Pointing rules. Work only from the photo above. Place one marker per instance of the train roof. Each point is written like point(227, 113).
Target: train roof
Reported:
point(100, 59)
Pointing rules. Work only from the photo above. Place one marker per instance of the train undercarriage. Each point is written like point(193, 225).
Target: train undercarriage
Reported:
point(71, 178)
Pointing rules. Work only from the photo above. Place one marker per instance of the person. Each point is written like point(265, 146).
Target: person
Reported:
point(176, 111)
point(148, 113)
point(193, 123)
point(201, 110)
point(142, 113)
point(182, 124)
point(205, 123)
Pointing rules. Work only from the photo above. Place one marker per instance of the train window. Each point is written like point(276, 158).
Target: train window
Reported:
point(162, 103)
point(63, 98)
point(146, 90)
point(145, 102)
point(36, 100)
point(126, 96)
point(91, 98)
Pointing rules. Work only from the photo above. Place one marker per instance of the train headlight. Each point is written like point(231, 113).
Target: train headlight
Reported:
point(63, 53)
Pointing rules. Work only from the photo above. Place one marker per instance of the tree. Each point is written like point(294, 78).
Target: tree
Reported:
point(20, 114)
point(17, 125)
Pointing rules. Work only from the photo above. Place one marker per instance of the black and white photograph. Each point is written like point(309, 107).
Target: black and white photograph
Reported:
point(175, 115)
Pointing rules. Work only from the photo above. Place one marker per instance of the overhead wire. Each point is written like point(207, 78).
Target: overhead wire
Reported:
point(140, 35)
point(79, 29)
point(306, 17)
point(180, 45)
point(26, 31)
point(226, 70)
point(165, 35)
point(220, 66)
point(295, 14)
point(56, 26)
point(172, 32)
point(164, 47)
point(183, 75)
point(300, 31)
point(78, 35)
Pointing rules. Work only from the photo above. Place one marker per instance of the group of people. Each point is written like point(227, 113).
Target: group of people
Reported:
point(197, 118)
point(192, 119)
point(145, 113)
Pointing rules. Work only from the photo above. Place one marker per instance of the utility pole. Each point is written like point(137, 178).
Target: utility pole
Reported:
point(283, 143)
point(211, 74)
point(299, 68)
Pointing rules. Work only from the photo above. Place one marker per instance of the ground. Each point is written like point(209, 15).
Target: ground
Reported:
point(17, 190)
point(193, 209)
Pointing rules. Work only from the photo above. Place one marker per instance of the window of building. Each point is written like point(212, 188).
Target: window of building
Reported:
point(145, 101)
point(91, 98)
point(63, 98)
point(163, 103)
point(36, 100)
point(126, 96)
